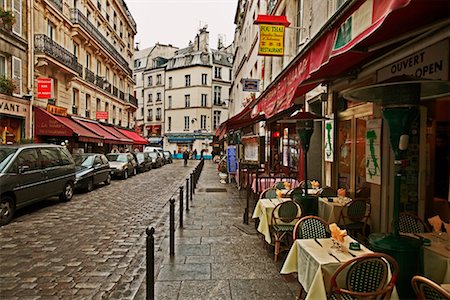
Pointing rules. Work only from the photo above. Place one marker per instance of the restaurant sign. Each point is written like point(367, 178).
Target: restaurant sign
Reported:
point(44, 88)
point(57, 110)
point(101, 115)
point(250, 85)
point(13, 108)
point(271, 34)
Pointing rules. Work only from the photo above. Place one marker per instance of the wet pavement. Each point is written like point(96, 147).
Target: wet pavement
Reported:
point(216, 255)
point(92, 247)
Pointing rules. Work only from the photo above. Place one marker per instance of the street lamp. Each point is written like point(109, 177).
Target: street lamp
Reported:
point(399, 98)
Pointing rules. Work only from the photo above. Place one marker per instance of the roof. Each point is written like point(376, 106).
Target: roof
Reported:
point(222, 58)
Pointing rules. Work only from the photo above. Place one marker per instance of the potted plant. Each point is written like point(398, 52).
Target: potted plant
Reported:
point(223, 170)
point(7, 18)
point(7, 86)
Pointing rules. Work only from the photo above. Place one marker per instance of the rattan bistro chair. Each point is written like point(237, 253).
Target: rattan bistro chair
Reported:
point(410, 223)
point(428, 289)
point(270, 193)
point(311, 227)
point(284, 217)
point(365, 277)
point(354, 216)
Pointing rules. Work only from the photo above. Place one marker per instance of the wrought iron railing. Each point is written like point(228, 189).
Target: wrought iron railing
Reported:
point(115, 91)
point(77, 17)
point(121, 95)
point(89, 75)
point(133, 100)
point(99, 81)
point(45, 45)
point(107, 86)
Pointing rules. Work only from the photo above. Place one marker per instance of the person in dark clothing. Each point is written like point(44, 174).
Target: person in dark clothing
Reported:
point(185, 157)
point(194, 154)
point(202, 153)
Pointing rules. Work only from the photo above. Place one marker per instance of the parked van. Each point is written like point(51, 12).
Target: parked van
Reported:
point(33, 172)
point(158, 150)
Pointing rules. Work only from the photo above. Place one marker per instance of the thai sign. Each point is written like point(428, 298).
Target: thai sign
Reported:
point(271, 40)
point(373, 149)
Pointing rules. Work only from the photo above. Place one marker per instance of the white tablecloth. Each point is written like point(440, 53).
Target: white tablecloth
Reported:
point(263, 211)
point(330, 211)
point(266, 183)
point(315, 266)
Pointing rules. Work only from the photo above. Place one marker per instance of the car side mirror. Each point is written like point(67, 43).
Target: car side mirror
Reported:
point(23, 169)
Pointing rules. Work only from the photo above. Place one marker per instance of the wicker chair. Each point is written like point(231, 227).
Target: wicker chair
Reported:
point(270, 193)
point(428, 289)
point(354, 216)
point(365, 277)
point(410, 223)
point(284, 217)
point(311, 227)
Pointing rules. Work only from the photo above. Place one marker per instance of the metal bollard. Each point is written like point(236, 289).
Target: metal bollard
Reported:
point(187, 194)
point(172, 226)
point(181, 206)
point(150, 272)
point(192, 185)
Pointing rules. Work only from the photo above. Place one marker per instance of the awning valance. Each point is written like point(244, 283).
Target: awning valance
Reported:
point(345, 43)
point(238, 121)
point(98, 129)
point(47, 124)
point(114, 131)
point(137, 139)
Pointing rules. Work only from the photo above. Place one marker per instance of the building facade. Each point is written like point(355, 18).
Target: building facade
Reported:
point(15, 73)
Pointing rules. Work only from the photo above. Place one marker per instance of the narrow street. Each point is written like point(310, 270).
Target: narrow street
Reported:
point(92, 246)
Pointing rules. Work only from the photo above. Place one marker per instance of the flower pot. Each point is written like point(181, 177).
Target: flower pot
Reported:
point(223, 176)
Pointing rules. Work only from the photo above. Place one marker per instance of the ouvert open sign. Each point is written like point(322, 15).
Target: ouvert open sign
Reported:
point(44, 88)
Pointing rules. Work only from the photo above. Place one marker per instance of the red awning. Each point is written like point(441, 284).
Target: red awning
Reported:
point(46, 124)
point(240, 120)
point(138, 140)
point(114, 131)
point(98, 129)
point(343, 47)
point(268, 19)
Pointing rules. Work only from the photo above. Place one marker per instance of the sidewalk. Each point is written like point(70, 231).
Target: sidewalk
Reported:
point(216, 255)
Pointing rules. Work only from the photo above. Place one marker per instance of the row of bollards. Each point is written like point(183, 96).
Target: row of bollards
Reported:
point(191, 183)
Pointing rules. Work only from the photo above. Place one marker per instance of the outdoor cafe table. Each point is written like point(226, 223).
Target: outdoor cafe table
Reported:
point(269, 182)
point(330, 211)
point(436, 258)
point(263, 211)
point(315, 266)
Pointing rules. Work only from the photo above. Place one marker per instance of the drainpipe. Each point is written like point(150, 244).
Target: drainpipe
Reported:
point(30, 73)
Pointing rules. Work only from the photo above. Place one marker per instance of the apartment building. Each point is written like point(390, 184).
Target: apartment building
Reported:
point(15, 72)
point(148, 72)
point(85, 48)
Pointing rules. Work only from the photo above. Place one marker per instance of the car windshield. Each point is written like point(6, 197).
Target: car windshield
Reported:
point(140, 157)
point(153, 154)
point(117, 157)
point(84, 160)
point(5, 156)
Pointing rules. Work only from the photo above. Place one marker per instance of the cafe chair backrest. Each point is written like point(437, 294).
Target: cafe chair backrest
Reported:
point(270, 193)
point(328, 192)
point(302, 184)
point(311, 227)
point(410, 223)
point(286, 212)
point(357, 210)
point(428, 289)
point(366, 277)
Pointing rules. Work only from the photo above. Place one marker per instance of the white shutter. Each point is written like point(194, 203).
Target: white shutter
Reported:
point(17, 76)
point(17, 10)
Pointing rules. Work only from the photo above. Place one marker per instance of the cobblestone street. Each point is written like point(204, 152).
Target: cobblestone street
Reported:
point(92, 247)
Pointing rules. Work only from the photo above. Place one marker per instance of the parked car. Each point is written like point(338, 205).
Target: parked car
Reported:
point(167, 157)
point(155, 149)
point(144, 162)
point(33, 172)
point(91, 169)
point(157, 160)
point(122, 164)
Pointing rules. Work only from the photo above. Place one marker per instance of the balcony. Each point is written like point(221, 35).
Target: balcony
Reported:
point(89, 76)
point(133, 100)
point(115, 91)
point(78, 18)
point(121, 95)
point(99, 81)
point(58, 4)
point(45, 45)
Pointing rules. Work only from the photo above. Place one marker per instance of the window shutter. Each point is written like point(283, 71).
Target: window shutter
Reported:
point(17, 75)
point(17, 10)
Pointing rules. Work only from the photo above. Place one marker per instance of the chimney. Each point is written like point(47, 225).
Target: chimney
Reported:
point(203, 44)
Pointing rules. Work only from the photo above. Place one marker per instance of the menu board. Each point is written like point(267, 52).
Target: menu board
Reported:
point(251, 149)
point(231, 159)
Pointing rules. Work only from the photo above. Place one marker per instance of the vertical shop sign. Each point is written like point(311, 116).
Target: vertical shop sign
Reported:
point(231, 159)
point(44, 88)
point(373, 149)
point(329, 140)
point(271, 40)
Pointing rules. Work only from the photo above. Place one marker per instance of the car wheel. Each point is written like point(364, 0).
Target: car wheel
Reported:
point(108, 179)
point(125, 174)
point(90, 185)
point(67, 193)
point(7, 210)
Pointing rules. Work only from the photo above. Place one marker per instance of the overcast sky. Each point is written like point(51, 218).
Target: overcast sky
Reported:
point(177, 22)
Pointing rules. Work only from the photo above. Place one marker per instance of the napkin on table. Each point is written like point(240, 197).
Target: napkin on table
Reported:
point(341, 192)
point(279, 193)
point(436, 222)
point(337, 233)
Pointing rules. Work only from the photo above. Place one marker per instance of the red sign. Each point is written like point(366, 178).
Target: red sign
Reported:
point(44, 88)
point(101, 115)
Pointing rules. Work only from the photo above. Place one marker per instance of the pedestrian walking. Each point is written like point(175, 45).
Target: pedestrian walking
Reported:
point(185, 157)
point(194, 154)
point(202, 153)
